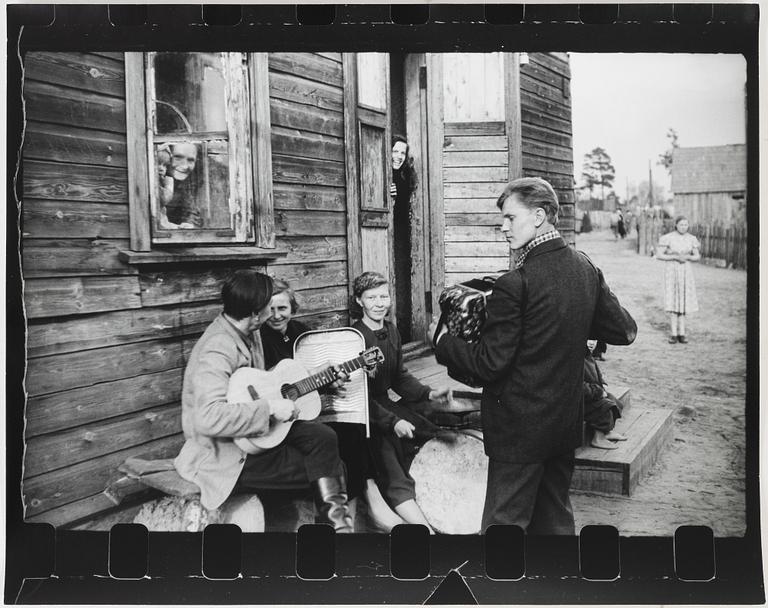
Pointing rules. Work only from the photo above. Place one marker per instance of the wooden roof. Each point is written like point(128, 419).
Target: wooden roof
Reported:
point(709, 169)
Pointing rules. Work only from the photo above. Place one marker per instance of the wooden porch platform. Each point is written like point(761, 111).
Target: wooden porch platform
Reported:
point(607, 471)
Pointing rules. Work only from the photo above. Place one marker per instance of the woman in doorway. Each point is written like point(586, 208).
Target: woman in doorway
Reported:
point(404, 180)
point(393, 422)
point(677, 249)
point(278, 335)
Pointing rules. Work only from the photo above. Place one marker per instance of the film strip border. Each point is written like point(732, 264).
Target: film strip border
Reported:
point(222, 565)
point(409, 566)
point(222, 15)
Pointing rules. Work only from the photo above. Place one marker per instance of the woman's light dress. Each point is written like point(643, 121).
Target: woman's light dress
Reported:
point(679, 287)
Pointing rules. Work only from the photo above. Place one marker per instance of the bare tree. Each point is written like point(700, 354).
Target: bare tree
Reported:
point(665, 160)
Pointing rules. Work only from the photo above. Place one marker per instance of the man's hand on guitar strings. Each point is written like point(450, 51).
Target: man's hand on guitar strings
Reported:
point(283, 410)
point(337, 388)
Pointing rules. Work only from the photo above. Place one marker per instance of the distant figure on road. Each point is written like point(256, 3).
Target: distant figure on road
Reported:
point(615, 217)
point(620, 224)
point(677, 249)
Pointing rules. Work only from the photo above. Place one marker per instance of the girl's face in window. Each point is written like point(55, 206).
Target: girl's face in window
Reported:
point(183, 159)
point(399, 151)
point(375, 302)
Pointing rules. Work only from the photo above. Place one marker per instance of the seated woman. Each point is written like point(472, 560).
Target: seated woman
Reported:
point(601, 409)
point(279, 333)
point(278, 336)
point(371, 291)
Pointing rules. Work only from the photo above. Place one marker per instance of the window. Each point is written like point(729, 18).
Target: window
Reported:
point(200, 156)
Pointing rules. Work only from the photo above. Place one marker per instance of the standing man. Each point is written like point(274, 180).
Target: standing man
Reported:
point(308, 456)
point(530, 361)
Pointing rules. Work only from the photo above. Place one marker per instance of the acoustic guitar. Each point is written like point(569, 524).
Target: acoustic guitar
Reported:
point(288, 380)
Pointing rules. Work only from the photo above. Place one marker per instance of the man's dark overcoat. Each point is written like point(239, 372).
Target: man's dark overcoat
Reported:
point(530, 358)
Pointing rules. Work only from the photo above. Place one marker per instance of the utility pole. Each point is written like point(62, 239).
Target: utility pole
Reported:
point(626, 192)
point(650, 183)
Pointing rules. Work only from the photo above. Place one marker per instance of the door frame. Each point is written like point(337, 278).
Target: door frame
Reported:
point(358, 217)
point(423, 74)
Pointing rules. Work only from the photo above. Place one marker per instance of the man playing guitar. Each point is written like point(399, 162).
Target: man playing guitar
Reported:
point(210, 458)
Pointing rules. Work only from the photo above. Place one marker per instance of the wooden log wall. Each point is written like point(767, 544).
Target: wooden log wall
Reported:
point(475, 169)
point(107, 341)
point(309, 182)
point(545, 99)
point(475, 172)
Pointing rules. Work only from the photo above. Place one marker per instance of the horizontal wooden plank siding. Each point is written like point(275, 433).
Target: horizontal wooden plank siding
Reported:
point(74, 257)
point(475, 159)
point(309, 198)
point(79, 295)
point(88, 367)
point(475, 168)
point(73, 219)
point(64, 448)
point(66, 409)
point(108, 341)
point(46, 180)
point(309, 177)
point(54, 336)
point(60, 487)
point(55, 104)
point(546, 129)
point(82, 71)
point(68, 144)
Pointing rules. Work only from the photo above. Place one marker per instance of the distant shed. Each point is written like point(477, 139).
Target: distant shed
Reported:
point(710, 183)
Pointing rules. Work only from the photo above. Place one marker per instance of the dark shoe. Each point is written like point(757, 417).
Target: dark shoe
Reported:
point(331, 503)
point(682, 339)
point(672, 340)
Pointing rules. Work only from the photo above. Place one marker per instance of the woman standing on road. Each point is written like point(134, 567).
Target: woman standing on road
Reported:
point(677, 249)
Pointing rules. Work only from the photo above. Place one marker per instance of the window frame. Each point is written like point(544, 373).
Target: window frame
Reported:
point(254, 144)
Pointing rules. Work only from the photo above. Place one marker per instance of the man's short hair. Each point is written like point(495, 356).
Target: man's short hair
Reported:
point(533, 192)
point(279, 286)
point(367, 280)
point(245, 292)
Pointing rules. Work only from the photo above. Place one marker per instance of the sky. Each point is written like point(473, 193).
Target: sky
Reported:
point(626, 102)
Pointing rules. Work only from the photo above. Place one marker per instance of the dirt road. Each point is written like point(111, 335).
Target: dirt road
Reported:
point(699, 477)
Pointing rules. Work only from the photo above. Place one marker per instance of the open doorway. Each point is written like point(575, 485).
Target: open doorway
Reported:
point(402, 211)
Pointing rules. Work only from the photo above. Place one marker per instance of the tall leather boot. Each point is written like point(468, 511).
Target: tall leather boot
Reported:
point(331, 503)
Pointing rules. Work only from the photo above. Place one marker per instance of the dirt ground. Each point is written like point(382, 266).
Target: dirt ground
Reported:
point(699, 478)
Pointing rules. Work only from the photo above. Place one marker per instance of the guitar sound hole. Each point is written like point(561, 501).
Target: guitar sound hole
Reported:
point(288, 391)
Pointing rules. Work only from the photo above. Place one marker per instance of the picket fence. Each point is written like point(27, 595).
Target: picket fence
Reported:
point(718, 241)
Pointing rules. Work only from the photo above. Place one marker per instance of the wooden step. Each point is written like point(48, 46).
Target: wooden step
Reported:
point(619, 471)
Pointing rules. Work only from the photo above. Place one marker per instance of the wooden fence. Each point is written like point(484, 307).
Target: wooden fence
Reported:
point(718, 241)
point(722, 242)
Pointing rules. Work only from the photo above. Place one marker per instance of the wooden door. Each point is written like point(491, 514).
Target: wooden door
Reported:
point(368, 164)
point(424, 131)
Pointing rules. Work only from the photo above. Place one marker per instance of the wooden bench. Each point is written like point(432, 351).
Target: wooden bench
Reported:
point(180, 509)
point(618, 471)
point(284, 510)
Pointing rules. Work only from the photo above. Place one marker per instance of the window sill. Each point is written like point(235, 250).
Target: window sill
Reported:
point(200, 254)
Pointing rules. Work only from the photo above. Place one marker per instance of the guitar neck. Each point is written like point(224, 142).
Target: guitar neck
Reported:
point(326, 377)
